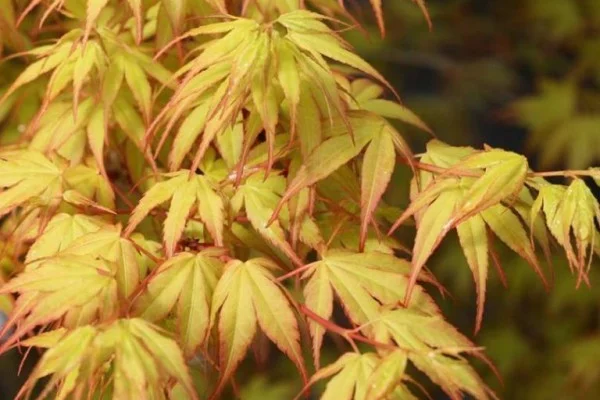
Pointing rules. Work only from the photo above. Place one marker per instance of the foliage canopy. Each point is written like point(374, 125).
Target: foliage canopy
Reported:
point(186, 181)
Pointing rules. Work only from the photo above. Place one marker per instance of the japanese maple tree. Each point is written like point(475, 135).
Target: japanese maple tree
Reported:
point(184, 180)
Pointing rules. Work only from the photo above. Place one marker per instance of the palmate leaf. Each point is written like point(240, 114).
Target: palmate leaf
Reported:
point(308, 33)
point(60, 232)
point(108, 244)
point(183, 285)
point(378, 166)
point(340, 148)
point(362, 282)
point(184, 192)
point(570, 214)
point(136, 358)
point(259, 197)
point(27, 175)
point(434, 347)
point(443, 204)
point(245, 295)
point(90, 183)
point(240, 79)
point(74, 289)
point(365, 377)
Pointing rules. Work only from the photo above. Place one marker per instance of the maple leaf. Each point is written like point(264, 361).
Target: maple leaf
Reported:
point(245, 295)
point(362, 282)
point(468, 202)
point(72, 288)
point(90, 184)
point(184, 191)
point(434, 347)
point(339, 149)
point(260, 198)
point(364, 376)
point(184, 284)
point(135, 356)
point(570, 214)
point(108, 244)
point(60, 232)
point(27, 175)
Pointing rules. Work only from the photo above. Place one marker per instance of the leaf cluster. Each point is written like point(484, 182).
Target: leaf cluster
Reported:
point(188, 190)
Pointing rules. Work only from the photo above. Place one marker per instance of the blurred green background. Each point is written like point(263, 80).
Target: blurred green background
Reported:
point(523, 75)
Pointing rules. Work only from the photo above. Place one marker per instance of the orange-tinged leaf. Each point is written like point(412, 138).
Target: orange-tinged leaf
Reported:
point(60, 232)
point(20, 193)
point(247, 294)
point(473, 239)
point(387, 375)
point(188, 132)
point(46, 339)
point(335, 367)
point(134, 355)
point(112, 81)
point(96, 135)
point(309, 124)
point(237, 318)
point(60, 285)
point(434, 224)
point(83, 65)
point(181, 203)
point(288, 75)
point(260, 198)
point(158, 194)
point(54, 58)
point(193, 311)
point(210, 209)
point(327, 45)
point(318, 296)
point(507, 226)
point(163, 290)
point(362, 282)
point(183, 284)
point(378, 166)
point(165, 351)
point(423, 7)
point(504, 178)
point(392, 110)
point(136, 8)
point(334, 152)
point(230, 144)
point(60, 78)
point(94, 7)
point(352, 374)
point(274, 314)
point(77, 199)
point(455, 376)
point(140, 87)
point(376, 4)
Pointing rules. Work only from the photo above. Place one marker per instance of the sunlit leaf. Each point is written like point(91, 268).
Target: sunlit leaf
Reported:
point(245, 295)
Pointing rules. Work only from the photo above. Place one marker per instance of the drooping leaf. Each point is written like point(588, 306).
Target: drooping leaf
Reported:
point(183, 285)
point(61, 287)
point(245, 295)
point(377, 168)
point(362, 281)
point(141, 361)
point(473, 239)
